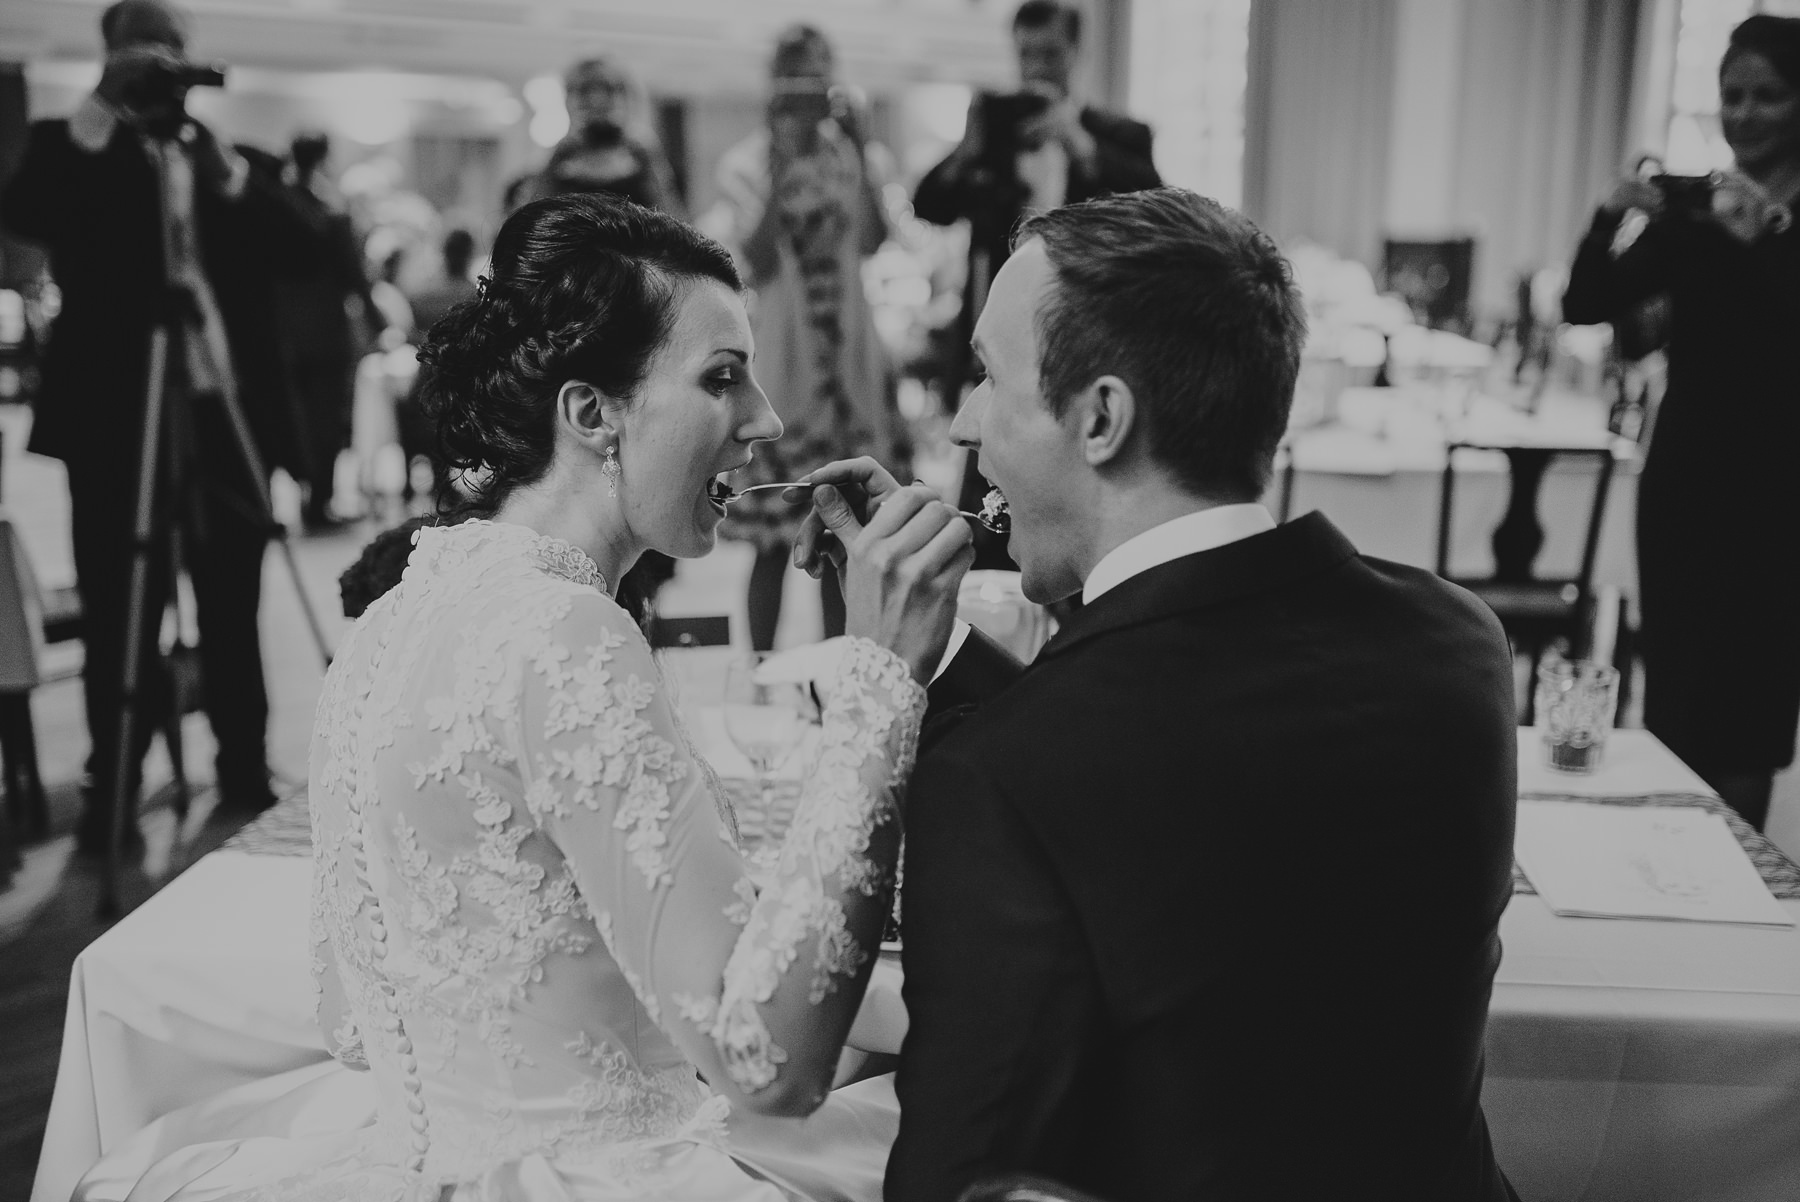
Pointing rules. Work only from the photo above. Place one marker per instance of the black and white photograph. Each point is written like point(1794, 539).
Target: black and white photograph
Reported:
point(899, 600)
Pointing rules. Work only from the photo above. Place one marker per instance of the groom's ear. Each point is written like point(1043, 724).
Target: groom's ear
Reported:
point(1107, 413)
point(586, 415)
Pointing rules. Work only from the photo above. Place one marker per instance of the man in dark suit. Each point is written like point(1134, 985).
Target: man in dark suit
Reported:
point(1203, 903)
point(1027, 153)
point(145, 214)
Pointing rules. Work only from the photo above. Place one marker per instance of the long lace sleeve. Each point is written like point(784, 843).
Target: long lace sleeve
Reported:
point(759, 990)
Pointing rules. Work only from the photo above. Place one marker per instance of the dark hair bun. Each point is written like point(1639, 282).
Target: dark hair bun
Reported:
point(582, 288)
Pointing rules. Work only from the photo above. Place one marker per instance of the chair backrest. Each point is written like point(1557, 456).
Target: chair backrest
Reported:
point(1518, 537)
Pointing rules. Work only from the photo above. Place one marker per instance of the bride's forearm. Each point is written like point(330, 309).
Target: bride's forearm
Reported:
point(796, 975)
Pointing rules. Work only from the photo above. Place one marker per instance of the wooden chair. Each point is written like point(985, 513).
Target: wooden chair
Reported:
point(1534, 611)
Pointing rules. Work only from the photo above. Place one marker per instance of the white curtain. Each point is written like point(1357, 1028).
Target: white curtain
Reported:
point(1317, 116)
point(1541, 101)
point(1544, 114)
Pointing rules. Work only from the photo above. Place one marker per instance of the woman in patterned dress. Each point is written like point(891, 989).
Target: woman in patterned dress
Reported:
point(801, 210)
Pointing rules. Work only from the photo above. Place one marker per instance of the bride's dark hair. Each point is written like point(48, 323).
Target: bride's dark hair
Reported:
point(582, 287)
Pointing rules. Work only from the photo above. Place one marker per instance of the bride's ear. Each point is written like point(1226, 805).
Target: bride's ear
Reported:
point(586, 415)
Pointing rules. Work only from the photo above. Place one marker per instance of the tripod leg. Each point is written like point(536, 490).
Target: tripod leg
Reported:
point(305, 599)
point(181, 668)
point(259, 478)
point(137, 618)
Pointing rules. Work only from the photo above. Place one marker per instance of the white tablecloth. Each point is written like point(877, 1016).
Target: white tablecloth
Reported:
point(207, 986)
point(1642, 1060)
point(1626, 1060)
point(203, 987)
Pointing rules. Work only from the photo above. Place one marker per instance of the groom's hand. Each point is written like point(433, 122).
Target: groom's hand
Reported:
point(857, 487)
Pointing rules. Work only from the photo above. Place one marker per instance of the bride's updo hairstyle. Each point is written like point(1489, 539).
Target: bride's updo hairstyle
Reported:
point(582, 287)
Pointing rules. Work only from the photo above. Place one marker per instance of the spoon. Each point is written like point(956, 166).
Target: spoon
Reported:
point(993, 525)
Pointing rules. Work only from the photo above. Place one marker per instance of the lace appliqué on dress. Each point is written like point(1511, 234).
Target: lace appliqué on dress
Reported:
point(871, 732)
point(622, 751)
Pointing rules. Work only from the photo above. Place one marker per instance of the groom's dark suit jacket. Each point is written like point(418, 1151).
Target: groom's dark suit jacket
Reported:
point(1202, 906)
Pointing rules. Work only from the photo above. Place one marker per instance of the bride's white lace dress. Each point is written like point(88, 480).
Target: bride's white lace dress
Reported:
point(517, 858)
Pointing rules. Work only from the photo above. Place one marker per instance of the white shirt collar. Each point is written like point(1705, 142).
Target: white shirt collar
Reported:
point(1188, 534)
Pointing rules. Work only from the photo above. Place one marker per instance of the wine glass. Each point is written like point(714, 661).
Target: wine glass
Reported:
point(765, 719)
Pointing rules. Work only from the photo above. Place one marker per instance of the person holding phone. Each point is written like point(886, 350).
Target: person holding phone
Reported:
point(801, 209)
point(1717, 504)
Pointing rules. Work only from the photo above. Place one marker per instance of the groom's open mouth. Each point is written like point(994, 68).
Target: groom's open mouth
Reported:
point(996, 515)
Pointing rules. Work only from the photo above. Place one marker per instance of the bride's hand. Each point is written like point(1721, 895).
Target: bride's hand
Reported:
point(901, 571)
point(864, 483)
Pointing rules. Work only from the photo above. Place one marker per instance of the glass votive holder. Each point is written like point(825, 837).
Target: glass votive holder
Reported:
point(1576, 701)
point(994, 603)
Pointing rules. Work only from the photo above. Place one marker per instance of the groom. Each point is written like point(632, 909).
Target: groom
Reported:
point(1203, 904)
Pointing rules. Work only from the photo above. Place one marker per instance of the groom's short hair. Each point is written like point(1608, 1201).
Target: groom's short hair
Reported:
point(1192, 306)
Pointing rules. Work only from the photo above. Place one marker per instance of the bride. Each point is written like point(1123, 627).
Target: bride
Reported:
point(531, 924)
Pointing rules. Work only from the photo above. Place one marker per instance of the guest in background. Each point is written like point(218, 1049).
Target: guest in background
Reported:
point(320, 346)
point(610, 147)
point(385, 251)
point(145, 213)
point(802, 210)
point(453, 286)
point(1028, 152)
point(1717, 506)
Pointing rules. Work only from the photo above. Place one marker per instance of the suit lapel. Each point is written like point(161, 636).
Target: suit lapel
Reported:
point(1258, 564)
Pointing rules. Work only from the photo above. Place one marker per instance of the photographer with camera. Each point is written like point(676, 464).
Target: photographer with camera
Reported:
point(152, 224)
point(1027, 151)
point(608, 147)
point(1033, 149)
point(1717, 506)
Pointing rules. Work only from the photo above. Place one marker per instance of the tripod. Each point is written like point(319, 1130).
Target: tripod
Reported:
point(161, 474)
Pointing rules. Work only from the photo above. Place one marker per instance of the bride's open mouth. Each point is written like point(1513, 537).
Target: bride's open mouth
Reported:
point(718, 492)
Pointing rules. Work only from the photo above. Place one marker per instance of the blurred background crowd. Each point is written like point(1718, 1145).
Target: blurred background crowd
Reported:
point(331, 175)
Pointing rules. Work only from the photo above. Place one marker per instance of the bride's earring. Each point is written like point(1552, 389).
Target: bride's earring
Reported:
point(609, 467)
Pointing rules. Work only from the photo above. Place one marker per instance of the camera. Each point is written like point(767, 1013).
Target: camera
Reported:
point(603, 135)
point(1003, 115)
point(805, 99)
point(1686, 195)
point(156, 89)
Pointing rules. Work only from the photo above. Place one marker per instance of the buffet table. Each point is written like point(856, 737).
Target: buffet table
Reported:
point(1640, 1060)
